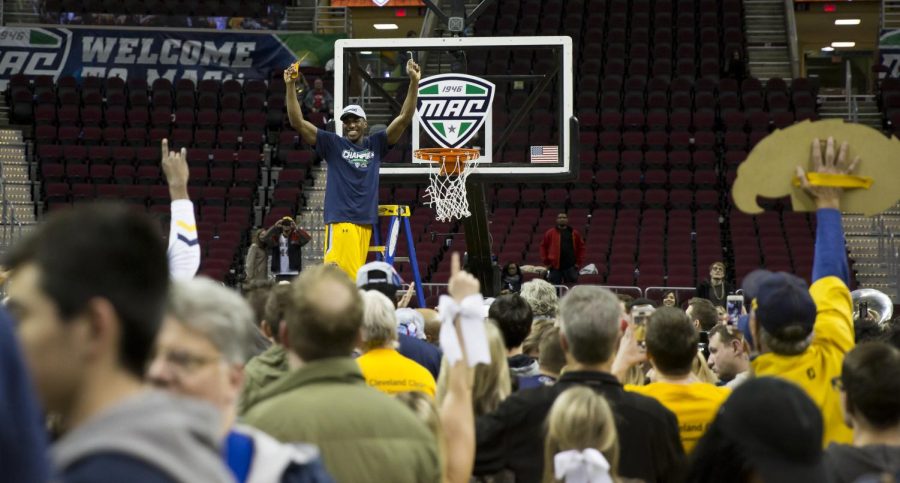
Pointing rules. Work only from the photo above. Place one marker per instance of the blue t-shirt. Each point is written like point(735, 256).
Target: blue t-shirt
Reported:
point(351, 194)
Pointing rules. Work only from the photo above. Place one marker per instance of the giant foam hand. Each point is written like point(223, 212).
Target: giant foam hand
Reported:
point(770, 168)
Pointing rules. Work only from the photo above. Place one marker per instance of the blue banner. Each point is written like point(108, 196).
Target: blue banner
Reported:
point(151, 54)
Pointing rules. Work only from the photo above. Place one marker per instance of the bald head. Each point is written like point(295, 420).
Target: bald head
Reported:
point(432, 325)
point(325, 314)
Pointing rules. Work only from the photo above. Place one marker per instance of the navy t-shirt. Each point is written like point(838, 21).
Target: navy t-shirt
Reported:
point(351, 195)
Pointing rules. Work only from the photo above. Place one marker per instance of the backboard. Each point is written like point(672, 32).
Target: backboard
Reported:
point(509, 97)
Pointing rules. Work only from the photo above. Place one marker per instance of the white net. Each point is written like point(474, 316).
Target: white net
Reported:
point(446, 191)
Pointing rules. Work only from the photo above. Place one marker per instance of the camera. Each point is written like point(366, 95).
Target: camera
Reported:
point(734, 304)
point(703, 344)
point(640, 315)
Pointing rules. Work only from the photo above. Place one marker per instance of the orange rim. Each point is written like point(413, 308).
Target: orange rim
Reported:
point(452, 160)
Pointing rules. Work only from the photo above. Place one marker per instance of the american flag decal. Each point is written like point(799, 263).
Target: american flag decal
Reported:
point(544, 154)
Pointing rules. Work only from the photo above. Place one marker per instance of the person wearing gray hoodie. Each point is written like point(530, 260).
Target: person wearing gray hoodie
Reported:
point(150, 437)
point(88, 289)
point(870, 394)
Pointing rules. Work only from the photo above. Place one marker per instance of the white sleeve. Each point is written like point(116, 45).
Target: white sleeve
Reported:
point(184, 243)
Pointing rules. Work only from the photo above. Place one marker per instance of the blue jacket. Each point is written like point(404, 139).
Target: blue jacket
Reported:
point(427, 355)
point(23, 443)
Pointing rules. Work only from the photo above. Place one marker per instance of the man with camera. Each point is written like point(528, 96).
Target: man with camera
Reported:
point(285, 239)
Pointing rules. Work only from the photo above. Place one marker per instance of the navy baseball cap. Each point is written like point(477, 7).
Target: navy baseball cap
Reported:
point(780, 300)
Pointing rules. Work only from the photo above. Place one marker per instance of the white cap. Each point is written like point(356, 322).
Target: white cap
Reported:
point(353, 109)
point(377, 272)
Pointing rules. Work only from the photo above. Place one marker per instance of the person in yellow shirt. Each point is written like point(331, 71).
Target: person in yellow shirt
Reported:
point(383, 367)
point(802, 334)
point(671, 348)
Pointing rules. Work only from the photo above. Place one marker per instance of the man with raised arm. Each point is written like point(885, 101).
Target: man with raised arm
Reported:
point(351, 194)
point(804, 332)
point(184, 244)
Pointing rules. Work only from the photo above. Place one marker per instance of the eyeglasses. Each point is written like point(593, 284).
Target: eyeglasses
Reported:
point(717, 269)
point(185, 362)
point(837, 383)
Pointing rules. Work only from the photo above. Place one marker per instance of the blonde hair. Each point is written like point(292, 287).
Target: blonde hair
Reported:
point(541, 296)
point(701, 370)
point(492, 382)
point(580, 419)
point(539, 327)
point(635, 376)
point(423, 406)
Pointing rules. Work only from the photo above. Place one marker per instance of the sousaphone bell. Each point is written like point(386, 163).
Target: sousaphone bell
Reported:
point(875, 304)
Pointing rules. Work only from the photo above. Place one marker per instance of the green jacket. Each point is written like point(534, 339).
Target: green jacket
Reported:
point(364, 435)
point(259, 372)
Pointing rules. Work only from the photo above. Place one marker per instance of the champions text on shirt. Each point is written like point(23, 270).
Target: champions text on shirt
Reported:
point(352, 182)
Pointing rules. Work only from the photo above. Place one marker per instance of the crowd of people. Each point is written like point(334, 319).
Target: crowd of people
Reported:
point(119, 365)
point(272, 17)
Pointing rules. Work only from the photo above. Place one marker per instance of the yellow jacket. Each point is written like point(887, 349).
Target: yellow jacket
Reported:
point(814, 369)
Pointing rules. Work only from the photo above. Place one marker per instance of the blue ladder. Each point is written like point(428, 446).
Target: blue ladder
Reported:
point(388, 252)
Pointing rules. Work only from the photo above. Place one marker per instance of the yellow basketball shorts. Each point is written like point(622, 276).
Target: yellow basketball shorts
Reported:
point(347, 246)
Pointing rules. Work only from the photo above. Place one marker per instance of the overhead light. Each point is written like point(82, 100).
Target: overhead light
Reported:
point(827, 49)
point(847, 21)
point(843, 45)
point(386, 26)
point(365, 52)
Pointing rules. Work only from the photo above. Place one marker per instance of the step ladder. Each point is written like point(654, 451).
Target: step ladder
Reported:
point(398, 215)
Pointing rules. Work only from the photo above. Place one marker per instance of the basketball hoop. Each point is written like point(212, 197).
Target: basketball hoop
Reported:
point(447, 173)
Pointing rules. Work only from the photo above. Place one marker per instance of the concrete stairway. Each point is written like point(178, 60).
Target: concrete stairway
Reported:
point(866, 111)
point(19, 11)
point(301, 18)
point(312, 217)
point(17, 190)
point(768, 53)
point(862, 109)
point(833, 107)
point(4, 115)
point(874, 245)
point(890, 14)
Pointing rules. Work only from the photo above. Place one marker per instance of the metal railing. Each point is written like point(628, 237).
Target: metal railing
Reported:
point(793, 41)
point(682, 294)
point(888, 251)
point(657, 293)
point(330, 20)
point(436, 289)
point(890, 14)
point(10, 226)
point(848, 88)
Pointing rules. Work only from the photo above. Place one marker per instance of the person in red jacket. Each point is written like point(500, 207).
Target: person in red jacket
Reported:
point(562, 252)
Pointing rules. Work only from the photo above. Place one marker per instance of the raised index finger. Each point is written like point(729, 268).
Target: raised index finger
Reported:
point(165, 147)
point(454, 264)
